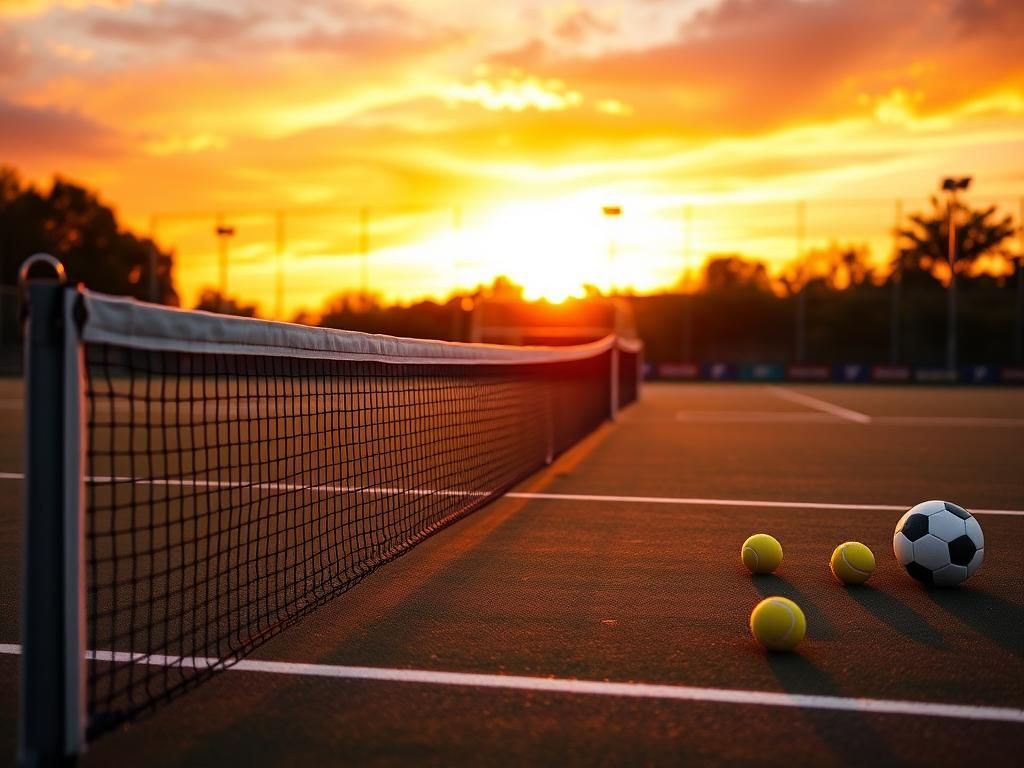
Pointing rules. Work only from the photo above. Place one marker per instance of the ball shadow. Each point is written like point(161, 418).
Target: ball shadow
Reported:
point(818, 625)
point(999, 620)
point(897, 615)
point(844, 732)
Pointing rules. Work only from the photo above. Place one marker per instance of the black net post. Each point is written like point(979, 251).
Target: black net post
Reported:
point(613, 406)
point(51, 727)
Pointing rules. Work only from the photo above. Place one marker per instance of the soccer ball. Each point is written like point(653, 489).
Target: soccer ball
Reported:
point(939, 543)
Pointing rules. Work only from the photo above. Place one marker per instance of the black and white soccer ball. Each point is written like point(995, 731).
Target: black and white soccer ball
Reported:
point(939, 543)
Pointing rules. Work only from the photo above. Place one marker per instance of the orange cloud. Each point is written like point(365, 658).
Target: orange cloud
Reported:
point(359, 102)
point(514, 94)
point(581, 23)
point(17, 8)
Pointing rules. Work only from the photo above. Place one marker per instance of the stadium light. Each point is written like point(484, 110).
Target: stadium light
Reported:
point(224, 234)
point(611, 212)
point(951, 185)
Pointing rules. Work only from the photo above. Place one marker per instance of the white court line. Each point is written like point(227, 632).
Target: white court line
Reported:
point(577, 687)
point(952, 421)
point(786, 417)
point(390, 491)
point(820, 405)
point(752, 417)
point(690, 501)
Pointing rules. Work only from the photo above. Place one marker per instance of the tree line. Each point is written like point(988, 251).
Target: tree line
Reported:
point(73, 224)
point(854, 308)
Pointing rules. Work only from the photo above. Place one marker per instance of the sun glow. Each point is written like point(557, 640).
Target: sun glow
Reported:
point(553, 248)
point(546, 248)
point(567, 247)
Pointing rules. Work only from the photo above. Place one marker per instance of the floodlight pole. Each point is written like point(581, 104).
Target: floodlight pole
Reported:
point(153, 284)
point(456, 303)
point(1018, 347)
point(951, 186)
point(801, 298)
point(687, 287)
point(279, 220)
point(897, 288)
point(951, 309)
point(611, 212)
point(364, 255)
point(224, 234)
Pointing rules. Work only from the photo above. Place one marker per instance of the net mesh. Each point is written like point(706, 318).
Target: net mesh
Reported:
point(228, 495)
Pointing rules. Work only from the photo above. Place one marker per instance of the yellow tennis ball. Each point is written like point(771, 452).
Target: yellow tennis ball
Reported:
point(761, 553)
point(852, 563)
point(778, 624)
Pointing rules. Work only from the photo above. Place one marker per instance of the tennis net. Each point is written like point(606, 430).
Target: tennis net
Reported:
point(226, 476)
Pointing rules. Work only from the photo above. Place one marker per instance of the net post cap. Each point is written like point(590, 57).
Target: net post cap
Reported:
point(60, 275)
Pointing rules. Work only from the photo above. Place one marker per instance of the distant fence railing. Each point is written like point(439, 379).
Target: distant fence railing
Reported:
point(845, 373)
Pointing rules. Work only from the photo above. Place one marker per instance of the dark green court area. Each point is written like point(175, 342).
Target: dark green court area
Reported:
point(619, 563)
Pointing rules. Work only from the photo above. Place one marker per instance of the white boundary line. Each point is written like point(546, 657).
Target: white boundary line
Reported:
point(389, 491)
point(578, 687)
point(690, 501)
point(801, 417)
point(952, 421)
point(820, 405)
point(753, 417)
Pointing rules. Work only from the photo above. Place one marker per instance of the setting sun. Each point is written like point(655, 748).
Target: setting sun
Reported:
point(505, 130)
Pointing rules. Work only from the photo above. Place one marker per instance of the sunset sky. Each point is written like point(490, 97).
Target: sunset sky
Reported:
point(485, 137)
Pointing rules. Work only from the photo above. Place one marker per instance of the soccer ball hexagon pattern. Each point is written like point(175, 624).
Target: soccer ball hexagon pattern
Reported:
point(939, 543)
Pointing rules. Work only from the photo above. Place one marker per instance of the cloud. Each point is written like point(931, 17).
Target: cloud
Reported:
point(48, 132)
point(175, 24)
point(350, 28)
point(22, 8)
point(14, 55)
point(531, 55)
point(357, 100)
point(1001, 18)
point(581, 24)
point(379, 45)
point(513, 94)
point(745, 66)
point(70, 52)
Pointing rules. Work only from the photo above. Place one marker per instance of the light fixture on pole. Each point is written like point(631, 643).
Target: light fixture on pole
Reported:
point(611, 212)
point(951, 186)
point(224, 234)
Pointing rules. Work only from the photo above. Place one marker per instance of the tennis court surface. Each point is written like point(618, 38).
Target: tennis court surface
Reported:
point(597, 612)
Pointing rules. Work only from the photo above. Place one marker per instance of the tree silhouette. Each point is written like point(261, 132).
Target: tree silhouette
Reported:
point(211, 300)
point(71, 223)
point(836, 267)
point(925, 246)
point(730, 272)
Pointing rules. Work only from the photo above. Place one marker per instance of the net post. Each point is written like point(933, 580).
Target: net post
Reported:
point(613, 412)
point(549, 424)
point(52, 719)
point(639, 372)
